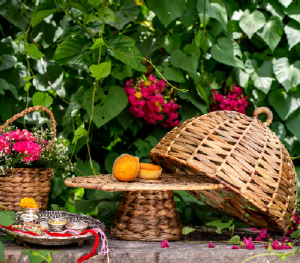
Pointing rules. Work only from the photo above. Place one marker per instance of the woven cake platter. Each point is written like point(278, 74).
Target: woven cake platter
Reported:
point(244, 155)
point(166, 182)
point(56, 241)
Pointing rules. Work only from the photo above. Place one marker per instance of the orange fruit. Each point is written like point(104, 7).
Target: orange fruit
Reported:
point(126, 167)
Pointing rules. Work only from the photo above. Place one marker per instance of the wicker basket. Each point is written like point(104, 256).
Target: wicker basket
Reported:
point(26, 182)
point(243, 154)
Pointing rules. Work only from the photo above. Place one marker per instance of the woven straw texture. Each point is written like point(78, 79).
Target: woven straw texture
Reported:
point(244, 155)
point(26, 182)
point(147, 216)
point(164, 183)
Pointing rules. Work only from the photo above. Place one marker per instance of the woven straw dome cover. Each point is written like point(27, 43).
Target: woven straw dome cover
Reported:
point(243, 154)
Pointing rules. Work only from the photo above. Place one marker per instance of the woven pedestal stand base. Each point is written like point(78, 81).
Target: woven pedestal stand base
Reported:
point(147, 216)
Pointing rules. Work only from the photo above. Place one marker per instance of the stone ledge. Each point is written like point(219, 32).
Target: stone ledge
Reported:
point(151, 252)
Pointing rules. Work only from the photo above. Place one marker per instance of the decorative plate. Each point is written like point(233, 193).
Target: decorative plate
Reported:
point(56, 241)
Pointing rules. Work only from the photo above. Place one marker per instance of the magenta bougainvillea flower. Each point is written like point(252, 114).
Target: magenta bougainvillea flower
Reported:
point(29, 149)
point(211, 245)
point(164, 244)
point(233, 101)
point(19, 135)
point(248, 243)
point(279, 246)
point(235, 247)
point(4, 145)
point(262, 235)
point(254, 229)
point(150, 101)
point(284, 238)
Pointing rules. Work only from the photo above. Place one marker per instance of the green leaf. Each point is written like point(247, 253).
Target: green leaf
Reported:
point(58, 186)
point(292, 31)
point(106, 14)
point(121, 72)
point(125, 45)
point(190, 15)
point(144, 146)
point(69, 49)
point(86, 168)
point(219, 12)
point(171, 42)
point(99, 42)
point(274, 8)
point(165, 11)
point(240, 77)
point(288, 75)
point(7, 61)
point(173, 74)
point(220, 225)
point(42, 99)
point(263, 76)
point(293, 11)
point(39, 255)
point(228, 52)
point(295, 234)
point(293, 125)
point(279, 129)
point(94, 2)
point(203, 9)
point(127, 13)
point(251, 23)
point(125, 119)
point(33, 51)
point(2, 258)
point(284, 104)
point(187, 230)
point(193, 97)
point(109, 161)
point(87, 98)
point(235, 240)
point(205, 43)
point(100, 71)
point(13, 13)
point(110, 107)
point(27, 78)
point(7, 218)
point(186, 60)
point(6, 86)
point(272, 33)
point(285, 3)
point(41, 15)
point(202, 93)
point(86, 206)
point(79, 132)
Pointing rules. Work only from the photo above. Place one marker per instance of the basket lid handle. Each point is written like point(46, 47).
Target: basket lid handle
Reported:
point(266, 111)
point(24, 112)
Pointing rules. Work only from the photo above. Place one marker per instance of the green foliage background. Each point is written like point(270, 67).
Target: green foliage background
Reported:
point(75, 56)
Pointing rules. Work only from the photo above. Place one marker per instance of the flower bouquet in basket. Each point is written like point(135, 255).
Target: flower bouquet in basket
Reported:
point(27, 160)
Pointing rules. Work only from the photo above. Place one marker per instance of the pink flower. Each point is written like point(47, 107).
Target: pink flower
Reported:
point(148, 101)
point(279, 246)
point(19, 135)
point(262, 235)
point(254, 229)
point(29, 149)
point(233, 101)
point(248, 243)
point(266, 246)
point(4, 145)
point(235, 247)
point(164, 244)
point(211, 245)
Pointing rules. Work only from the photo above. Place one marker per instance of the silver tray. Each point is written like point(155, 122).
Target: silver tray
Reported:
point(56, 241)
